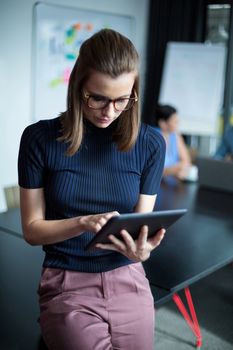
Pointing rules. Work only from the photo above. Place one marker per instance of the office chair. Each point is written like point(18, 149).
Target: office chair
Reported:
point(12, 196)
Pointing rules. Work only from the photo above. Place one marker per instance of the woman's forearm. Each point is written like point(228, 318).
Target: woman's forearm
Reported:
point(41, 232)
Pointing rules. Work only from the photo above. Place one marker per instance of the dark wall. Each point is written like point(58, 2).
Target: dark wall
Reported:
point(169, 20)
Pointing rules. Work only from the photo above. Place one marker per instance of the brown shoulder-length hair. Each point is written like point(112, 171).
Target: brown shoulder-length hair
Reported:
point(108, 52)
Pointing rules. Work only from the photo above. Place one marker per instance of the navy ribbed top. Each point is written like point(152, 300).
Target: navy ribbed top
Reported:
point(97, 179)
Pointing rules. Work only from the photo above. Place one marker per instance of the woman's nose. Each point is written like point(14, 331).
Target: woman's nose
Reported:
point(109, 109)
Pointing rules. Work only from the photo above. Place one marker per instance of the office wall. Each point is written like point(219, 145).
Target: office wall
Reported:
point(16, 25)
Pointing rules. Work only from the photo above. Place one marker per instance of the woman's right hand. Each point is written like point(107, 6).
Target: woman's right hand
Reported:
point(182, 171)
point(93, 223)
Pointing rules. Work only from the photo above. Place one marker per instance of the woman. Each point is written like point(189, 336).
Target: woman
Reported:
point(75, 172)
point(177, 160)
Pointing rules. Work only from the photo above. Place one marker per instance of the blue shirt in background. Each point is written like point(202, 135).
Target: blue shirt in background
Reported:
point(172, 155)
point(226, 146)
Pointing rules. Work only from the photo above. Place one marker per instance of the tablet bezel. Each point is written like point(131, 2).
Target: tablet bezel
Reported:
point(132, 222)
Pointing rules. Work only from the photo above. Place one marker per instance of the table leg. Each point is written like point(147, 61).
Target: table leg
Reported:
point(191, 320)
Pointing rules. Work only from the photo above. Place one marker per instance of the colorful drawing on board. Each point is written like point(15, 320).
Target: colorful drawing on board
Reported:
point(60, 31)
point(65, 44)
point(63, 79)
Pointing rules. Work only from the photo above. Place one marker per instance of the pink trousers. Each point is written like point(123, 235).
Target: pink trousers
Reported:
point(96, 311)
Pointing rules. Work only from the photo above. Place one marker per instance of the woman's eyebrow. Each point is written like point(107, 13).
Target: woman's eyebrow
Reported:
point(107, 97)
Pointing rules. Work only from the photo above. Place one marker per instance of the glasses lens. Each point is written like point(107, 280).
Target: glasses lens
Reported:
point(124, 104)
point(97, 102)
point(121, 104)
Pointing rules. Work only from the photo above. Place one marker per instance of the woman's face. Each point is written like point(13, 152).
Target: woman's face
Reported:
point(102, 86)
point(171, 125)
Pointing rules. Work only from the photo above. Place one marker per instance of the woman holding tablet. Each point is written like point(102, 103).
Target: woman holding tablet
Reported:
point(76, 171)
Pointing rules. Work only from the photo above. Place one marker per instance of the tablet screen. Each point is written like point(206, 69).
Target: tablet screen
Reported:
point(133, 222)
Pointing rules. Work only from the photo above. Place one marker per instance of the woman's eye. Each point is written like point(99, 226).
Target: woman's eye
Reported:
point(122, 100)
point(98, 98)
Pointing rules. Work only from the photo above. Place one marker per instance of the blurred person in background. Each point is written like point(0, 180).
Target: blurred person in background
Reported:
point(177, 160)
point(225, 148)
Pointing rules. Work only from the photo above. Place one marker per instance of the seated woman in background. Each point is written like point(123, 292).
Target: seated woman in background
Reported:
point(225, 149)
point(177, 160)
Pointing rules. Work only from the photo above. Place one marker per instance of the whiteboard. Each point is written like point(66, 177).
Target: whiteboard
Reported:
point(193, 81)
point(58, 34)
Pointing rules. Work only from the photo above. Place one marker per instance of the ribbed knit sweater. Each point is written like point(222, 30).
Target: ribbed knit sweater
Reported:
point(96, 179)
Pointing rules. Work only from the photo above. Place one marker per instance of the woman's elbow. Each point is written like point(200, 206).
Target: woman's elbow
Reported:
point(29, 236)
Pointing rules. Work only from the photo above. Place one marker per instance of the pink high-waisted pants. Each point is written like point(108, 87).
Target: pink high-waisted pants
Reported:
point(97, 311)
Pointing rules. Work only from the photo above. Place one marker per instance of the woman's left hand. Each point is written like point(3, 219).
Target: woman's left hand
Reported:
point(138, 250)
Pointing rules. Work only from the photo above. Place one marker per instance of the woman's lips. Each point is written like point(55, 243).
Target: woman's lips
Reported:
point(104, 120)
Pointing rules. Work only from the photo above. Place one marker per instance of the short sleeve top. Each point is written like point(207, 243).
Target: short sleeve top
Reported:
point(96, 179)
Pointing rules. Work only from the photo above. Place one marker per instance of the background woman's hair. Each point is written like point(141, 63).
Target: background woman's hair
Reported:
point(111, 53)
point(163, 112)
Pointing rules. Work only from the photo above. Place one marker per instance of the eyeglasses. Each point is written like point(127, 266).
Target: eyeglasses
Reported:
point(100, 102)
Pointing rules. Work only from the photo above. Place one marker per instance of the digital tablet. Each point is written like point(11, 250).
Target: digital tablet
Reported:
point(133, 222)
